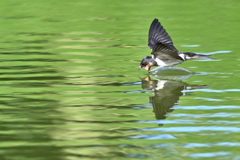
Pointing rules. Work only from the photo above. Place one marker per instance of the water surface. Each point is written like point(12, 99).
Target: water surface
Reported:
point(70, 87)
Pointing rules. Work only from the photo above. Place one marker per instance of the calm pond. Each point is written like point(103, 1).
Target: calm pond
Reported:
point(71, 89)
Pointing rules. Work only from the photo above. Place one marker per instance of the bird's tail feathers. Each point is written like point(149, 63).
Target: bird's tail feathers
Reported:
point(190, 55)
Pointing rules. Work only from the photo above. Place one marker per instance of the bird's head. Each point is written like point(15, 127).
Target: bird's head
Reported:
point(146, 63)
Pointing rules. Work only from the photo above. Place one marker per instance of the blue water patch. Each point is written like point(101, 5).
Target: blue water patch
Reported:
point(216, 52)
point(205, 73)
point(196, 45)
point(191, 145)
point(191, 129)
point(137, 92)
point(202, 155)
point(211, 90)
point(206, 107)
point(220, 114)
point(130, 84)
point(225, 144)
point(208, 99)
point(143, 106)
point(169, 121)
point(229, 144)
point(222, 122)
point(152, 137)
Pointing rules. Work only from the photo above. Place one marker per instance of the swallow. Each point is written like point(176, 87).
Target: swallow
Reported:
point(163, 51)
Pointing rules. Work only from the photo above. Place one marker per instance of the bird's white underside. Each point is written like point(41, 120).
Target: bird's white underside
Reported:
point(182, 56)
point(160, 62)
point(169, 63)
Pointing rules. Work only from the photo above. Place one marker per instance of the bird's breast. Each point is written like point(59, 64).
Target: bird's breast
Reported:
point(160, 62)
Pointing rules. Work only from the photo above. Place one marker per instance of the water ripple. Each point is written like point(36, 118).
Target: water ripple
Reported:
point(206, 107)
point(149, 137)
point(220, 114)
point(191, 145)
point(216, 52)
point(208, 99)
point(229, 144)
point(211, 90)
point(225, 144)
point(191, 129)
point(212, 154)
point(190, 45)
point(169, 121)
point(179, 121)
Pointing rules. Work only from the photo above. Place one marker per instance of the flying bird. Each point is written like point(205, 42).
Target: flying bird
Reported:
point(163, 50)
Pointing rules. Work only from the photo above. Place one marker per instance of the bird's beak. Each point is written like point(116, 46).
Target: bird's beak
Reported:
point(139, 68)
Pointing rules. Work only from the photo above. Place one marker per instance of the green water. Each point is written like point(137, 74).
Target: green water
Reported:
point(70, 88)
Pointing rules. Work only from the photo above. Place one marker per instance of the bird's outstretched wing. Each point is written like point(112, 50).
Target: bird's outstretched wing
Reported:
point(157, 34)
point(161, 44)
point(166, 54)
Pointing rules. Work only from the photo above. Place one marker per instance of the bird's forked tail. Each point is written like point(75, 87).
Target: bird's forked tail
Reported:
point(190, 55)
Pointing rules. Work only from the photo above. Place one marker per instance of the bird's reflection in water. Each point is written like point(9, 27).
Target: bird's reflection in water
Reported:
point(166, 93)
